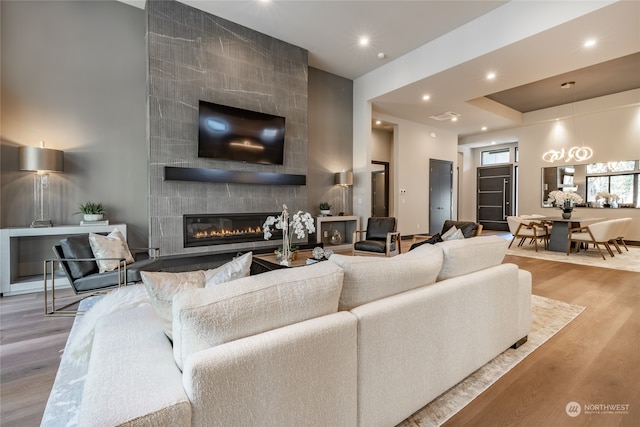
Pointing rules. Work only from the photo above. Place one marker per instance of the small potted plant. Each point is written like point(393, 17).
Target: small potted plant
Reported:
point(325, 208)
point(92, 211)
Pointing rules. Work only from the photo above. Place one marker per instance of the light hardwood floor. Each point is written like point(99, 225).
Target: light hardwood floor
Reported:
point(594, 360)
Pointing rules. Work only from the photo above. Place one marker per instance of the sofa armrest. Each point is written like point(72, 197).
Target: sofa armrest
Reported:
point(132, 377)
point(301, 374)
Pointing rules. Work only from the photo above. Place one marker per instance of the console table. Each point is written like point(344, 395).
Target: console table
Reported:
point(23, 251)
point(346, 225)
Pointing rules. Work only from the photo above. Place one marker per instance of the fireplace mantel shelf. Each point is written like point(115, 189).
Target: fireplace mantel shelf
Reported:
point(174, 173)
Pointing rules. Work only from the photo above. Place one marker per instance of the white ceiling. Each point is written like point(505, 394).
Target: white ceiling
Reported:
point(530, 68)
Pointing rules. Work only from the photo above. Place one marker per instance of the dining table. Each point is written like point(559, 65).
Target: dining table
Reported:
point(560, 230)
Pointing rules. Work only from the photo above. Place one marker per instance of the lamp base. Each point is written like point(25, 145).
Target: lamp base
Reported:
point(41, 223)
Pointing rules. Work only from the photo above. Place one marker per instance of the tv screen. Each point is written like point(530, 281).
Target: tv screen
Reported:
point(230, 133)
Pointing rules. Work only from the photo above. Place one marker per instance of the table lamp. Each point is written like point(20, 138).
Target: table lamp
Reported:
point(344, 180)
point(42, 161)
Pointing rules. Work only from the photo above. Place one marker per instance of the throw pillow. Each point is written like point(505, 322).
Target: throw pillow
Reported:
point(432, 240)
point(78, 247)
point(449, 232)
point(111, 246)
point(204, 318)
point(162, 287)
point(237, 268)
point(456, 235)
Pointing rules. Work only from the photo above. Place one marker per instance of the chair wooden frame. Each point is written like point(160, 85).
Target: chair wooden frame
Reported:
point(392, 237)
point(530, 230)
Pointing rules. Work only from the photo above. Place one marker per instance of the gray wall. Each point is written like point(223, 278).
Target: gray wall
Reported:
point(330, 134)
point(73, 75)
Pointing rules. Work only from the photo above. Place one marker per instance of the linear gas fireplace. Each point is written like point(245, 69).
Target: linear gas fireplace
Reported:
point(220, 229)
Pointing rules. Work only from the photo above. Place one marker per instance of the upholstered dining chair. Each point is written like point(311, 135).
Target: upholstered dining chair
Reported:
point(598, 233)
point(380, 238)
point(525, 229)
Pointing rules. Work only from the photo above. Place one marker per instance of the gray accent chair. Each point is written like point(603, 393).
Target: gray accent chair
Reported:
point(380, 238)
point(76, 260)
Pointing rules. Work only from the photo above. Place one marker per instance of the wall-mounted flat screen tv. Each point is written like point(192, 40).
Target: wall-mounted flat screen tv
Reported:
point(230, 133)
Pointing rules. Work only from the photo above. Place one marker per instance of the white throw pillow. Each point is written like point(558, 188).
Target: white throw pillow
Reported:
point(456, 235)
point(204, 318)
point(449, 232)
point(232, 270)
point(110, 246)
point(162, 287)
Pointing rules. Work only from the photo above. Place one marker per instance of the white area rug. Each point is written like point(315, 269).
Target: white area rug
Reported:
point(548, 318)
point(627, 260)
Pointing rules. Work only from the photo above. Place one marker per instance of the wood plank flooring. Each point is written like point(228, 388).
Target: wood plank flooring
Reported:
point(594, 360)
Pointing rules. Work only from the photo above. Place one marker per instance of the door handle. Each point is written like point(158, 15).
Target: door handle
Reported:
point(504, 198)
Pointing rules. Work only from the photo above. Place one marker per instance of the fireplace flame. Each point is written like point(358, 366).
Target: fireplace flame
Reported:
point(223, 233)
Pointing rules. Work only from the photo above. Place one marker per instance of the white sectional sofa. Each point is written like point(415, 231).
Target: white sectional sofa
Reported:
point(354, 341)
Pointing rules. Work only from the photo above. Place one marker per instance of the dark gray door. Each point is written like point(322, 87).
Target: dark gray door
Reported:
point(380, 189)
point(440, 193)
point(495, 196)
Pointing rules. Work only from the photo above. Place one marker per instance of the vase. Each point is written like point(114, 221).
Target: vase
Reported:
point(566, 215)
point(325, 212)
point(93, 217)
point(286, 246)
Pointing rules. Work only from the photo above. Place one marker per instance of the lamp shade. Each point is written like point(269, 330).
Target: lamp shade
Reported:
point(40, 159)
point(344, 178)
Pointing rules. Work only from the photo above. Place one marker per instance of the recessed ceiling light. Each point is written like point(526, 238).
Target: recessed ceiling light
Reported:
point(378, 122)
point(590, 43)
point(426, 97)
point(382, 55)
point(454, 119)
point(491, 76)
point(433, 134)
point(364, 41)
point(484, 128)
point(493, 143)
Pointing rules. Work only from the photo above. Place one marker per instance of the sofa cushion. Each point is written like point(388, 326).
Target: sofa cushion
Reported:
point(466, 256)
point(204, 318)
point(111, 246)
point(78, 247)
point(370, 278)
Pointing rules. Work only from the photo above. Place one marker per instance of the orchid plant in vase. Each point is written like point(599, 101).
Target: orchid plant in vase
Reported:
point(288, 224)
point(606, 198)
point(565, 200)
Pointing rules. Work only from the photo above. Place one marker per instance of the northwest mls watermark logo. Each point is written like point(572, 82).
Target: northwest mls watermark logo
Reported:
point(573, 409)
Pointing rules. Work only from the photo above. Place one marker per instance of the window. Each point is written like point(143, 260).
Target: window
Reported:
point(494, 157)
point(614, 177)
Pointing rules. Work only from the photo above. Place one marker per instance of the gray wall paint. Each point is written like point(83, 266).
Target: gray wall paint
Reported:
point(73, 75)
point(58, 58)
point(330, 134)
point(192, 56)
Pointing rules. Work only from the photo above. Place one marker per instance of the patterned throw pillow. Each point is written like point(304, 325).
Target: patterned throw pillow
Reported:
point(110, 246)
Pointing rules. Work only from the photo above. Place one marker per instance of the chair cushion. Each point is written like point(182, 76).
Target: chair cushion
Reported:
point(378, 227)
point(204, 318)
point(468, 228)
point(377, 246)
point(96, 281)
point(77, 247)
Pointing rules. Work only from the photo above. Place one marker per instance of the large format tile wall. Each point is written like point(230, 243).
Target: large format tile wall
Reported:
point(192, 56)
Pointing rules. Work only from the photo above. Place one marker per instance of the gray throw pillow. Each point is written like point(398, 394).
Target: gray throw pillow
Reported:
point(78, 247)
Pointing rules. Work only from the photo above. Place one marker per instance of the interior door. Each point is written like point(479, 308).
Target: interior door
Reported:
point(440, 193)
point(494, 196)
point(380, 189)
